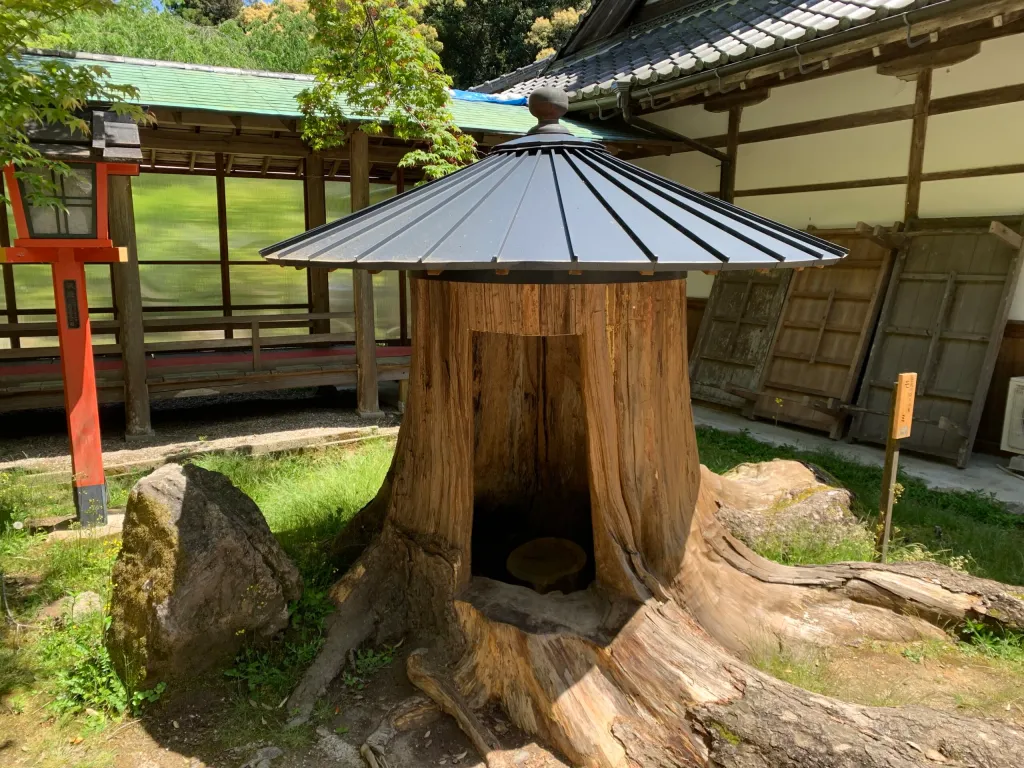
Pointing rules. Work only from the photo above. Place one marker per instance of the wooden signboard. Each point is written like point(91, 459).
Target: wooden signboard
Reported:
point(735, 335)
point(823, 334)
point(903, 405)
point(943, 318)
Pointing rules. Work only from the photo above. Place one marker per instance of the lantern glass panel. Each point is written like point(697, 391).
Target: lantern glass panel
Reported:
point(76, 192)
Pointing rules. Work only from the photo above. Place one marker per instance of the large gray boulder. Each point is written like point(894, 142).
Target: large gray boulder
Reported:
point(199, 574)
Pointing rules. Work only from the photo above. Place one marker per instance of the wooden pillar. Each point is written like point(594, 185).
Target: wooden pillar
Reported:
point(128, 302)
point(727, 185)
point(367, 404)
point(922, 102)
point(10, 299)
point(222, 238)
point(315, 198)
point(403, 283)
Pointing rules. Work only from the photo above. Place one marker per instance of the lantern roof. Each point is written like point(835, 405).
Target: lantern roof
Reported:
point(550, 203)
point(113, 138)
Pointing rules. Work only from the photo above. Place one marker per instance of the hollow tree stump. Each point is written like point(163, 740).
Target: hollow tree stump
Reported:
point(564, 410)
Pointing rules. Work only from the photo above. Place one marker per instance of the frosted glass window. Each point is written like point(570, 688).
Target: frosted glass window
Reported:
point(176, 217)
point(33, 286)
point(262, 284)
point(262, 212)
point(386, 304)
point(180, 285)
point(339, 200)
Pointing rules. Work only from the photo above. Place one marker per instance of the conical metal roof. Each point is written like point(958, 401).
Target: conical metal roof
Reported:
point(552, 203)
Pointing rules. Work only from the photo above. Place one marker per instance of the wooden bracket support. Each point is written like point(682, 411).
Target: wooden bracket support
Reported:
point(1006, 234)
point(880, 235)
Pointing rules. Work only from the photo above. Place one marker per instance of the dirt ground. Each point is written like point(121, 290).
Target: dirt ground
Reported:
point(211, 726)
point(37, 440)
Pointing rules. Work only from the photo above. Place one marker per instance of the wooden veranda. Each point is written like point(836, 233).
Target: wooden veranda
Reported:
point(147, 349)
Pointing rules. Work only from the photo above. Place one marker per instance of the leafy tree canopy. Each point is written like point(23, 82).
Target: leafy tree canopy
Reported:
point(486, 38)
point(205, 11)
point(274, 36)
point(51, 92)
point(375, 61)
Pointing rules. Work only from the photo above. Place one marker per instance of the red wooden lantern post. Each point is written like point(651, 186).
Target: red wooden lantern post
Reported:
point(68, 238)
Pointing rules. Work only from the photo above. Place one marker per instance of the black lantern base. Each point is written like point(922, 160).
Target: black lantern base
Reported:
point(91, 504)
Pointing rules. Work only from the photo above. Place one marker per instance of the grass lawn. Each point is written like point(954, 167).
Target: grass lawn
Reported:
point(62, 671)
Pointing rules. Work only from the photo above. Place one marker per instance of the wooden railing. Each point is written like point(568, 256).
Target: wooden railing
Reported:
point(257, 341)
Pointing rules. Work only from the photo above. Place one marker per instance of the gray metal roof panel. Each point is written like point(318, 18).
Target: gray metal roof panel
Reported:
point(551, 202)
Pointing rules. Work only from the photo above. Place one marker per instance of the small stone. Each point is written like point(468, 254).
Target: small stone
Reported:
point(500, 728)
point(338, 750)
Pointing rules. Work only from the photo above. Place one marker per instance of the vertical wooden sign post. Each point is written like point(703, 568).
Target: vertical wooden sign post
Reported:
point(901, 416)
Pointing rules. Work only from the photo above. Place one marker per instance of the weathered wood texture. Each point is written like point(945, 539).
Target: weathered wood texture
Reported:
point(822, 337)
point(128, 299)
point(621, 673)
point(315, 204)
point(918, 133)
point(1009, 363)
point(735, 335)
point(943, 318)
point(367, 403)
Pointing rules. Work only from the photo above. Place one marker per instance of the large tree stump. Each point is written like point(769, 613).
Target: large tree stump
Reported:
point(564, 410)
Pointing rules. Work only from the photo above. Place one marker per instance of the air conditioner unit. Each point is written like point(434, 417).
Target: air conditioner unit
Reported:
point(1013, 423)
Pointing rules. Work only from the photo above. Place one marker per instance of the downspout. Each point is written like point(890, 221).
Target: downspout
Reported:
point(624, 103)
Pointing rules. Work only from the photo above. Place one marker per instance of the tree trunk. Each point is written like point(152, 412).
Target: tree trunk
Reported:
point(564, 411)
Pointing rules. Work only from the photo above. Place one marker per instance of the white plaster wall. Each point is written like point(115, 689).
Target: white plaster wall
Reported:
point(979, 138)
point(857, 153)
point(858, 91)
point(1001, 62)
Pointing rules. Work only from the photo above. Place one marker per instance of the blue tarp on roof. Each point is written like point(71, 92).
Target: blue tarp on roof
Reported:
point(490, 98)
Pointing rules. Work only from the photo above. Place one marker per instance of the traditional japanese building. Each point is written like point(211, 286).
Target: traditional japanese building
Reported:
point(889, 126)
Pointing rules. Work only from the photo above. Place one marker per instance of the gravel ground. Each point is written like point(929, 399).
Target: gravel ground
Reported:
point(38, 439)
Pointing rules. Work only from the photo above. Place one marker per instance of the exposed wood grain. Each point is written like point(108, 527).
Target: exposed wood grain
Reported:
point(128, 299)
point(918, 134)
point(367, 403)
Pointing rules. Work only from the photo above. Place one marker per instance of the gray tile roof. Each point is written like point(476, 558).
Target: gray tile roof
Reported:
point(695, 38)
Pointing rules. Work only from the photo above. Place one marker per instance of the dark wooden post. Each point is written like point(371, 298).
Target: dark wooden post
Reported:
point(222, 239)
point(315, 196)
point(727, 186)
point(922, 103)
point(403, 283)
point(367, 404)
point(128, 302)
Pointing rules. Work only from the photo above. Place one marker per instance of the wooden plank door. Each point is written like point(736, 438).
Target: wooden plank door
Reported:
point(822, 338)
point(944, 316)
point(735, 335)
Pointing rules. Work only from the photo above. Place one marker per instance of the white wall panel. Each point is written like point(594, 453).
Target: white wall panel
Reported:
point(1001, 62)
point(698, 285)
point(857, 153)
point(694, 169)
point(983, 196)
point(975, 138)
point(844, 94)
point(838, 208)
point(693, 121)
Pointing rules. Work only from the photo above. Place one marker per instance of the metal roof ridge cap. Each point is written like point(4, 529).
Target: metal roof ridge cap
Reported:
point(112, 59)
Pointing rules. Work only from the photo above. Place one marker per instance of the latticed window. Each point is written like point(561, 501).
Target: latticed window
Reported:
point(75, 216)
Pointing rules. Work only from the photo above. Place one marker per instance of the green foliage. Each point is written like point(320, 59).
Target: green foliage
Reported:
point(550, 34)
point(209, 12)
point(366, 663)
point(805, 545)
point(81, 674)
point(965, 530)
point(376, 64)
point(993, 642)
point(51, 92)
point(279, 39)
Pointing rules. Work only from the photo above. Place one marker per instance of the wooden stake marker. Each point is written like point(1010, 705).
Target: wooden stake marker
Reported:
point(901, 417)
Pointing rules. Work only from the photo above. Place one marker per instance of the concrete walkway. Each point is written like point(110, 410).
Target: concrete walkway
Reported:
point(983, 474)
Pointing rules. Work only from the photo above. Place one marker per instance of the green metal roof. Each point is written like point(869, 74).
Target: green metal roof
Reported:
point(244, 92)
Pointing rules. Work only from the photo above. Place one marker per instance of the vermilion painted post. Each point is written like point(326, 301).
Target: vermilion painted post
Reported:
point(80, 400)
